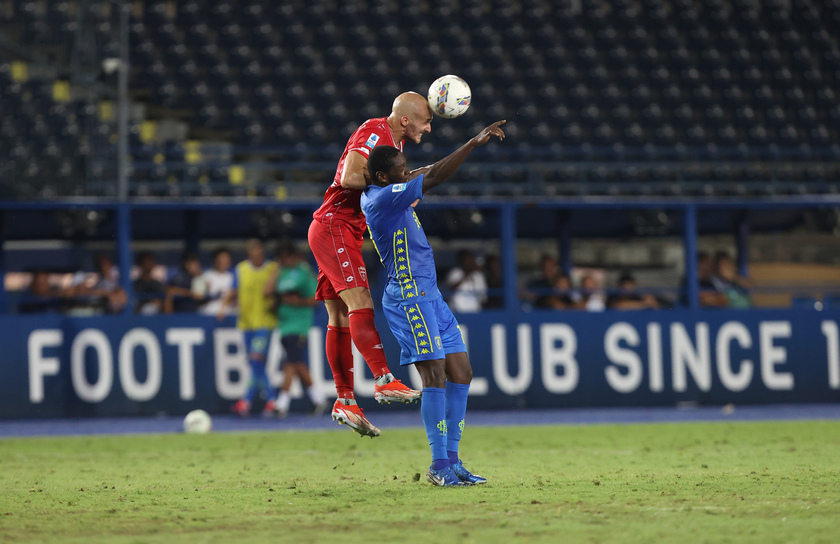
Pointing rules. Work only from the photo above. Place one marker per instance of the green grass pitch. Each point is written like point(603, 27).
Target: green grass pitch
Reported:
point(695, 482)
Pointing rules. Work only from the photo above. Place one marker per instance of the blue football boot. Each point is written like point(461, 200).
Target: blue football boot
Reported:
point(466, 476)
point(443, 477)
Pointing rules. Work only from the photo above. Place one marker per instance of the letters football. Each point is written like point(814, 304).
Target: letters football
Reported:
point(450, 96)
point(197, 422)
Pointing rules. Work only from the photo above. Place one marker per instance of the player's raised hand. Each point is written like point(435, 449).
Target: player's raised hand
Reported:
point(442, 169)
point(493, 130)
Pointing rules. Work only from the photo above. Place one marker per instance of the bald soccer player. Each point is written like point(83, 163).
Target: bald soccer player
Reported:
point(335, 237)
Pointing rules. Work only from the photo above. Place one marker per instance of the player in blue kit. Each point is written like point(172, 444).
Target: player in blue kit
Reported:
point(428, 333)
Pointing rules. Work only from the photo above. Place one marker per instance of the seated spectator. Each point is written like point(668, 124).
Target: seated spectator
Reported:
point(628, 298)
point(561, 299)
point(213, 284)
point(103, 289)
point(150, 291)
point(710, 296)
point(589, 297)
point(493, 275)
point(732, 285)
point(42, 297)
point(179, 295)
point(468, 284)
point(540, 289)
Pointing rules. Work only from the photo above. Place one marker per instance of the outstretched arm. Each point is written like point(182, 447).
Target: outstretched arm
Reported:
point(418, 172)
point(444, 168)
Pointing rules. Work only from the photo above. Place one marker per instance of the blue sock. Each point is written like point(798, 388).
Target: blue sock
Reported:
point(259, 380)
point(265, 384)
point(254, 384)
point(456, 409)
point(433, 414)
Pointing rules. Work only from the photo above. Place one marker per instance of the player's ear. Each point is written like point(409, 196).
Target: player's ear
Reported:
point(381, 177)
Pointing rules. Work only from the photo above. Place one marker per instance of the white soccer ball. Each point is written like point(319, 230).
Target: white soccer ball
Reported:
point(198, 422)
point(450, 96)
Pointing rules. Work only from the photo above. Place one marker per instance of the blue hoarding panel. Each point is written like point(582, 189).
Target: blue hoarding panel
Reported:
point(56, 366)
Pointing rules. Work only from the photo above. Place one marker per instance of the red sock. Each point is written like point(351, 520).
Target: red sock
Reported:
point(345, 343)
point(338, 346)
point(367, 340)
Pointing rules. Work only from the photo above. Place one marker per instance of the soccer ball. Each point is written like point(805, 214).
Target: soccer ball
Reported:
point(450, 96)
point(197, 422)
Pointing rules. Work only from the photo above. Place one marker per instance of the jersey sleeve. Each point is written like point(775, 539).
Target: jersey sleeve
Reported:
point(394, 199)
point(364, 141)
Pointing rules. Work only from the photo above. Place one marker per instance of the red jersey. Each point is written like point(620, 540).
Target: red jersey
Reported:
point(343, 204)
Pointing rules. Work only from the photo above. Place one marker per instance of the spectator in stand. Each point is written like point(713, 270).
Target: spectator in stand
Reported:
point(180, 297)
point(42, 297)
point(104, 290)
point(590, 298)
point(710, 297)
point(732, 285)
point(214, 284)
point(469, 288)
point(493, 275)
point(561, 299)
point(540, 289)
point(150, 291)
point(628, 298)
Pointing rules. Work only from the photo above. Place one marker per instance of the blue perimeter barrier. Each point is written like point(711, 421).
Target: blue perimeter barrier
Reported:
point(57, 366)
point(191, 220)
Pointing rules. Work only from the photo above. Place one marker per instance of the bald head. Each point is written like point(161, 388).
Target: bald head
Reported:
point(411, 117)
point(410, 103)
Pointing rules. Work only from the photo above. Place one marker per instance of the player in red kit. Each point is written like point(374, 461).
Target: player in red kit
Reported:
point(335, 237)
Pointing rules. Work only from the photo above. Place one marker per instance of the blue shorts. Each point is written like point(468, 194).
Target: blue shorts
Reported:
point(425, 330)
point(294, 345)
point(257, 342)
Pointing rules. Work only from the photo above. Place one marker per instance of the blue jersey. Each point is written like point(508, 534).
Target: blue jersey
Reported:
point(400, 241)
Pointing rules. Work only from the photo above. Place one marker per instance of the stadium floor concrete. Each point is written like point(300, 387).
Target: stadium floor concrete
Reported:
point(402, 419)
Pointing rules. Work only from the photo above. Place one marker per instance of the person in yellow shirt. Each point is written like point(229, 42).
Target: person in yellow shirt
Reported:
point(256, 319)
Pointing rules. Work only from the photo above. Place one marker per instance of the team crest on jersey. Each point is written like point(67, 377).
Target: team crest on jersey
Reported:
point(363, 273)
point(398, 188)
point(371, 142)
point(438, 343)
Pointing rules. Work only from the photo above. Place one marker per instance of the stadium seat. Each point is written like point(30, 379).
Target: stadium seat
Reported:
point(653, 79)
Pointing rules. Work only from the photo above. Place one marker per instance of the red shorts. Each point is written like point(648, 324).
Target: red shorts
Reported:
point(338, 250)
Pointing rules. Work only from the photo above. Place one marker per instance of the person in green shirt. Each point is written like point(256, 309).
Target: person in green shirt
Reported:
point(293, 286)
